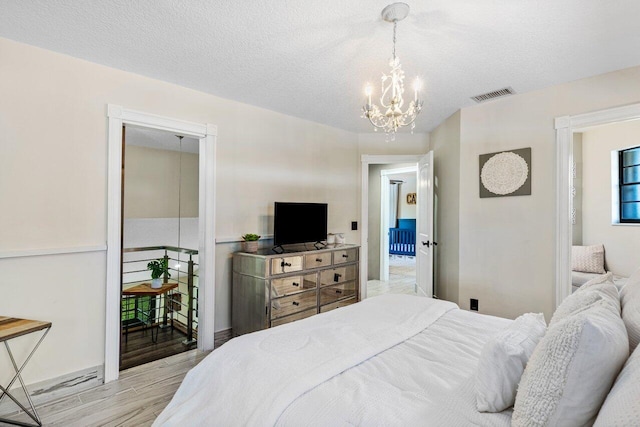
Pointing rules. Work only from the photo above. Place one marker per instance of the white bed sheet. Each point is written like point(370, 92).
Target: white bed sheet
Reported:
point(426, 380)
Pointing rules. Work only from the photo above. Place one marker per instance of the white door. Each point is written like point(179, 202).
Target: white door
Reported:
point(425, 243)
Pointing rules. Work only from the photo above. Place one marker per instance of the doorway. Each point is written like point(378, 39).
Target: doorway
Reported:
point(397, 235)
point(374, 238)
point(566, 127)
point(118, 118)
point(160, 228)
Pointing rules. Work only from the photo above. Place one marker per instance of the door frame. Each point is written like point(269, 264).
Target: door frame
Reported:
point(565, 126)
point(207, 135)
point(366, 160)
point(384, 215)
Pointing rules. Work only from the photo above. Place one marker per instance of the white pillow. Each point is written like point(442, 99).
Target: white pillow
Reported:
point(588, 259)
point(502, 361)
point(630, 302)
point(589, 294)
point(572, 369)
point(622, 407)
point(606, 286)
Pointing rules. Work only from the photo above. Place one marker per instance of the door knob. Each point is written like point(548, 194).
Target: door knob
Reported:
point(427, 243)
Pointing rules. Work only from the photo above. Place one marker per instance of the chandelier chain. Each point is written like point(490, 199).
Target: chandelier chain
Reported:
point(395, 24)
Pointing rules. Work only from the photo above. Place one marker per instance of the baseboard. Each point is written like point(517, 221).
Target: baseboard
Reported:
point(55, 388)
point(221, 337)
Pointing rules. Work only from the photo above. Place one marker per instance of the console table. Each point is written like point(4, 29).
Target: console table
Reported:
point(271, 289)
point(10, 328)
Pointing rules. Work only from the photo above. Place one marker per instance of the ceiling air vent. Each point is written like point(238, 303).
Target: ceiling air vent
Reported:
point(495, 94)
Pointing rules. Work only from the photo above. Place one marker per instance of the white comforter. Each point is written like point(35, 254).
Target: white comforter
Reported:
point(389, 360)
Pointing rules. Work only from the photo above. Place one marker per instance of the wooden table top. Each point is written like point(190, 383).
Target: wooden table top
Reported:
point(145, 289)
point(11, 327)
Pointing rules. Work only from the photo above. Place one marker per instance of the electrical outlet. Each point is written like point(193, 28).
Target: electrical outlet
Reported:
point(354, 225)
point(473, 304)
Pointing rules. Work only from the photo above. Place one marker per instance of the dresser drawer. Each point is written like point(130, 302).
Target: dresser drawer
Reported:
point(293, 317)
point(322, 259)
point(338, 275)
point(333, 306)
point(292, 304)
point(345, 255)
point(333, 293)
point(286, 264)
point(291, 285)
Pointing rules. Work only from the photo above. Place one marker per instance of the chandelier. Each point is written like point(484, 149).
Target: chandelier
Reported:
point(389, 116)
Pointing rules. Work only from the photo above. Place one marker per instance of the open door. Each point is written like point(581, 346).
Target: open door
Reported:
point(425, 243)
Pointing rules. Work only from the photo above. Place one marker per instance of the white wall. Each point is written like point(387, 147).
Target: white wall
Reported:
point(621, 242)
point(408, 186)
point(576, 229)
point(153, 185)
point(507, 244)
point(53, 159)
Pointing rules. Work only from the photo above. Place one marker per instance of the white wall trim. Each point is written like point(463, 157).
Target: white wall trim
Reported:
point(366, 160)
point(23, 253)
point(565, 127)
point(206, 133)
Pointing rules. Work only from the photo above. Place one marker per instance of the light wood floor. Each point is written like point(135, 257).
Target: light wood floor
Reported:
point(402, 278)
point(135, 399)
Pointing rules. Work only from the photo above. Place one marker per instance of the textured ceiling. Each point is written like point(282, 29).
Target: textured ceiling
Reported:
point(311, 58)
point(160, 140)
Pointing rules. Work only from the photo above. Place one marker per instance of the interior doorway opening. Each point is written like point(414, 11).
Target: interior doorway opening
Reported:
point(398, 213)
point(160, 259)
point(414, 256)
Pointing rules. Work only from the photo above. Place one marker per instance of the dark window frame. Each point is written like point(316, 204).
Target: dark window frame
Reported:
point(622, 184)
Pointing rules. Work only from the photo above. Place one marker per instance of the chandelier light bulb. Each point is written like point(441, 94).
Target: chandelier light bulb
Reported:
point(417, 87)
point(368, 90)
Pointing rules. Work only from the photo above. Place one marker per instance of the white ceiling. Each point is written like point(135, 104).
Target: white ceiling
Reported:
point(160, 140)
point(311, 58)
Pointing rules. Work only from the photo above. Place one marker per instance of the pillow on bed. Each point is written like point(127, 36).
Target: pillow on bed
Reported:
point(630, 301)
point(588, 259)
point(502, 361)
point(622, 406)
point(572, 369)
point(587, 296)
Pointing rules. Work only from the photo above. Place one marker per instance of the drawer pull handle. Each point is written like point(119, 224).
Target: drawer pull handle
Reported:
point(338, 291)
point(285, 264)
point(295, 284)
point(345, 256)
point(336, 277)
point(318, 259)
point(296, 303)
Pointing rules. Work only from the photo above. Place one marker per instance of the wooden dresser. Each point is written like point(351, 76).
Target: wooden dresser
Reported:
point(271, 289)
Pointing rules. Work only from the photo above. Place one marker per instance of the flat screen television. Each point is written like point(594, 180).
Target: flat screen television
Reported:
point(299, 223)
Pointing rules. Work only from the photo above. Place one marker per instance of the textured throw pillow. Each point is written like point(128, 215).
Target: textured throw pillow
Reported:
point(502, 361)
point(630, 301)
point(588, 259)
point(589, 294)
point(622, 406)
point(572, 369)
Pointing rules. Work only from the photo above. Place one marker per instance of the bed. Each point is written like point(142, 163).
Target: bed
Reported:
point(407, 360)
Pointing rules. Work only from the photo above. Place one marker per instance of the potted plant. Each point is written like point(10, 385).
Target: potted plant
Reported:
point(250, 242)
point(158, 268)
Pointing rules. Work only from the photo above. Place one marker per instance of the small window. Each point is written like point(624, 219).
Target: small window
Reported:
point(629, 179)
